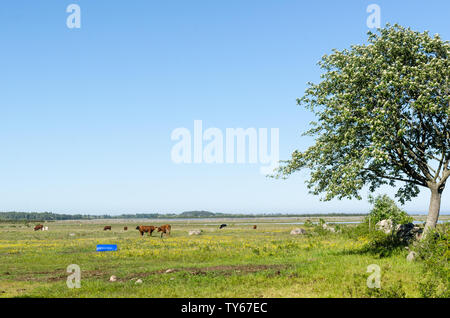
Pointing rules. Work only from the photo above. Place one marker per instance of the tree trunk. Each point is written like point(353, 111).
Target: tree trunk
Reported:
point(433, 211)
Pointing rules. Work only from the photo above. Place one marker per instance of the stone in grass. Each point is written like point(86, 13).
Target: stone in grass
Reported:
point(328, 228)
point(408, 232)
point(385, 225)
point(113, 278)
point(411, 256)
point(298, 231)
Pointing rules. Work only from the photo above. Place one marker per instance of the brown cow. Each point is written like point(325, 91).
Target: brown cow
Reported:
point(38, 227)
point(164, 229)
point(108, 227)
point(254, 227)
point(125, 228)
point(146, 229)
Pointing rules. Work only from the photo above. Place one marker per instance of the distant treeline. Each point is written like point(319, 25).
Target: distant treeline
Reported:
point(49, 216)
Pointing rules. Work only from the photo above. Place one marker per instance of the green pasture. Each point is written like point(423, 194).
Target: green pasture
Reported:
point(236, 261)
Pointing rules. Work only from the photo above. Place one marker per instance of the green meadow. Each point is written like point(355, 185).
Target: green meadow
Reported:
point(237, 261)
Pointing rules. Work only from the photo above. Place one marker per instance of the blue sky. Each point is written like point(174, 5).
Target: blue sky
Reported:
point(87, 114)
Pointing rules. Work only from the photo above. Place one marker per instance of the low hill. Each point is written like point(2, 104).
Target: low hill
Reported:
point(198, 214)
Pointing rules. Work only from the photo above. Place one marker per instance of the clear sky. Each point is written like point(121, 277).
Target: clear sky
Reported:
point(87, 114)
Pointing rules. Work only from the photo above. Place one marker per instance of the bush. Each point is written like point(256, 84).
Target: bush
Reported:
point(318, 230)
point(380, 243)
point(355, 232)
point(433, 250)
point(395, 291)
point(384, 208)
point(384, 245)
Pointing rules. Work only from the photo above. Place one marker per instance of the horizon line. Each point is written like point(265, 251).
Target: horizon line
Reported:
point(226, 213)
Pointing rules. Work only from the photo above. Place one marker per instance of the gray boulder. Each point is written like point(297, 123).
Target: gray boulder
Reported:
point(404, 232)
point(328, 228)
point(385, 226)
point(298, 231)
point(408, 232)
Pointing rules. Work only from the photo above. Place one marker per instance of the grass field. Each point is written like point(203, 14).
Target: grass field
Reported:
point(233, 262)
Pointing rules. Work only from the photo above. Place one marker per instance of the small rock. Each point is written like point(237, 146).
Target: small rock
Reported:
point(298, 231)
point(139, 281)
point(113, 278)
point(326, 227)
point(411, 256)
point(385, 226)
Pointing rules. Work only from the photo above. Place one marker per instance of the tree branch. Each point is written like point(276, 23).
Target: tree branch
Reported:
point(379, 175)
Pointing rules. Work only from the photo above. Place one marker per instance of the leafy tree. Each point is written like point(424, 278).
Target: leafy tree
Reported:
point(383, 118)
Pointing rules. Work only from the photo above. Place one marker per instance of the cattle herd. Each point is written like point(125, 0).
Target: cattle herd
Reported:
point(164, 229)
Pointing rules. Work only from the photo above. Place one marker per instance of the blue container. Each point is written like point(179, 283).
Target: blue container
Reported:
point(106, 247)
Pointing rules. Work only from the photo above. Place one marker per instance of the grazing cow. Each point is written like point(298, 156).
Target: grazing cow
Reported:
point(38, 227)
point(164, 229)
point(146, 229)
point(254, 227)
point(125, 228)
point(222, 226)
point(108, 227)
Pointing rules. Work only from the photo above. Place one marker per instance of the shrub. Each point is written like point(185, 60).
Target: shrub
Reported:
point(338, 228)
point(380, 243)
point(395, 291)
point(356, 231)
point(384, 245)
point(318, 230)
point(433, 250)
